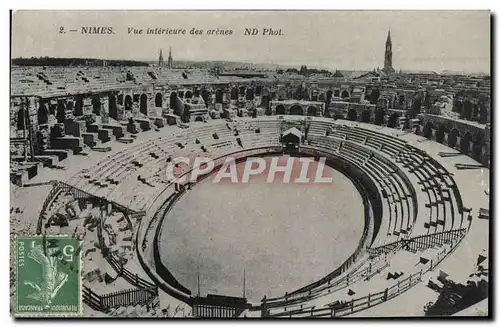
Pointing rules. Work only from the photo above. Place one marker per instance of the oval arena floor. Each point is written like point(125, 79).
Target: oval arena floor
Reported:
point(284, 236)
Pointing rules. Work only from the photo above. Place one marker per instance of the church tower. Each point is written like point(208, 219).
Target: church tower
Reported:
point(388, 69)
point(170, 61)
point(160, 59)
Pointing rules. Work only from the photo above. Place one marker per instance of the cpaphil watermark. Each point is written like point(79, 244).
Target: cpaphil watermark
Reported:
point(278, 169)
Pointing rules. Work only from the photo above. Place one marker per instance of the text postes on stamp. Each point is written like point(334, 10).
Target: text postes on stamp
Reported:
point(48, 276)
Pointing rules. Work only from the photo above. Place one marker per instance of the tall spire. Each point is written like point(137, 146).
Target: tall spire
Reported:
point(170, 61)
point(388, 69)
point(198, 280)
point(244, 286)
point(160, 58)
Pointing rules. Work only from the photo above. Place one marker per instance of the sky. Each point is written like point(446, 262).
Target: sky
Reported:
point(346, 40)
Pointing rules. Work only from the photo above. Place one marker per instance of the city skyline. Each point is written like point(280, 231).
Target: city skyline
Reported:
point(420, 40)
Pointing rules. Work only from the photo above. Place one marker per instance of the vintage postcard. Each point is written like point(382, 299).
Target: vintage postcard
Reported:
point(250, 164)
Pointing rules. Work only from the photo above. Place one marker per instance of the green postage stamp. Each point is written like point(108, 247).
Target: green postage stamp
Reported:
point(48, 281)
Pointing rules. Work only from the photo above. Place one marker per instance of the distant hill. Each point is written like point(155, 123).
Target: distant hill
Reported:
point(49, 61)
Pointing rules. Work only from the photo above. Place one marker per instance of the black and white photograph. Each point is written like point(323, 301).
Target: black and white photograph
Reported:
point(250, 164)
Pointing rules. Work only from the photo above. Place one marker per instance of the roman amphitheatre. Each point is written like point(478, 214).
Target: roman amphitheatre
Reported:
point(405, 220)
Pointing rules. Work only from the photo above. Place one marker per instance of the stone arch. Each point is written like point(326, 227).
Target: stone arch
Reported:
point(128, 102)
point(296, 110)
point(336, 93)
point(158, 100)
point(440, 133)
point(78, 106)
point(180, 94)
point(42, 114)
point(173, 99)
point(366, 116)
point(338, 116)
point(453, 137)
point(352, 115)
point(250, 94)
point(379, 116)
point(393, 120)
point(258, 90)
point(465, 143)
point(234, 93)
point(61, 111)
point(96, 105)
point(344, 94)
point(428, 130)
point(242, 91)
point(280, 109)
point(205, 95)
point(21, 118)
point(143, 104)
point(219, 95)
point(329, 95)
point(119, 99)
point(196, 93)
point(467, 111)
point(188, 95)
point(477, 144)
point(198, 118)
point(312, 111)
point(113, 110)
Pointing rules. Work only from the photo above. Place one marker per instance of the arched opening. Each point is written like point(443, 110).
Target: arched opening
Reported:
point(61, 111)
point(119, 99)
point(264, 102)
point(352, 115)
point(329, 95)
point(441, 131)
point(258, 90)
point(188, 95)
point(43, 114)
point(196, 93)
point(366, 116)
point(338, 116)
point(242, 91)
point(467, 111)
point(128, 102)
point(428, 130)
point(465, 143)
point(250, 94)
point(173, 99)
point(336, 93)
point(78, 106)
point(158, 100)
point(477, 145)
point(344, 94)
point(393, 120)
point(180, 95)
point(280, 110)
point(21, 118)
point(312, 111)
point(143, 104)
point(219, 96)
point(379, 116)
point(453, 138)
point(234, 93)
point(198, 118)
point(296, 110)
point(96, 105)
point(113, 111)
point(205, 95)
